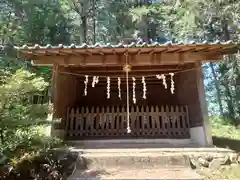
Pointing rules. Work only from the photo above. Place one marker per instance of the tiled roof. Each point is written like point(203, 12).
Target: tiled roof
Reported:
point(99, 54)
point(139, 44)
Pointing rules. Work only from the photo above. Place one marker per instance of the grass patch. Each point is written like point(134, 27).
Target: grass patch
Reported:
point(227, 136)
point(223, 129)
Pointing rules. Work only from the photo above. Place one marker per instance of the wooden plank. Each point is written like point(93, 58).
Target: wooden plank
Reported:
point(137, 126)
point(98, 119)
point(68, 119)
point(113, 120)
point(92, 119)
point(167, 121)
point(81, 122)
point(112, 60)
point(133, 116)
point(72, 116)
point(162, 117)
point(187, 116)
point(183, 118)
point(108, 121)
point(158, 119)
point(77, 118)
point(178, 118)
point(117, 119)
point(103, 118)
point(153, 118)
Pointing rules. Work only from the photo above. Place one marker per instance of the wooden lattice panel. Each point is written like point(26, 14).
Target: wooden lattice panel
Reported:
point(110, 122)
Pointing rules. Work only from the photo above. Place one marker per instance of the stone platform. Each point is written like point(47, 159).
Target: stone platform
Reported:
point(139, 161)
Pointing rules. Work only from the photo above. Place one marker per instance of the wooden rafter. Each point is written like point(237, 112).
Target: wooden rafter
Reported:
point(139, 56)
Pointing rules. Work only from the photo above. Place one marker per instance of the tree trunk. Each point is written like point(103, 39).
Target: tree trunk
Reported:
point(1, 136)
point(84, 28)
point(229, 102)
point(94, 21)
point(217, 85)
point(228, 93)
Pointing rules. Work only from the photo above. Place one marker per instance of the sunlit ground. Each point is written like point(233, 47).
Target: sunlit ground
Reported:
point(226, 136)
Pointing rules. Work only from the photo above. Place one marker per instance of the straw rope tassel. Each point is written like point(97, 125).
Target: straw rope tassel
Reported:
point(128, 118)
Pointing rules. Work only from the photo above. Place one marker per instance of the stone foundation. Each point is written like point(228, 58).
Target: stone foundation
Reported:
point(59, 133)
point(197, 135)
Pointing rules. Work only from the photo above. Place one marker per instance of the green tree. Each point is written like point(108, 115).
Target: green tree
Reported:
point(17, 112)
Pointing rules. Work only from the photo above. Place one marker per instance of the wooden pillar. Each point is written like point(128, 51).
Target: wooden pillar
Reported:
point(64, 96)
point(190, 91)
point(203, 105)
point(57, 129)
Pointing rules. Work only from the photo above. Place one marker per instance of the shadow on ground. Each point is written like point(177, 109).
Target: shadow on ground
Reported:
point(232, 144)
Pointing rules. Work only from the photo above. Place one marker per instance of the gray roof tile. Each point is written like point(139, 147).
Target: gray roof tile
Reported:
point(139, 44)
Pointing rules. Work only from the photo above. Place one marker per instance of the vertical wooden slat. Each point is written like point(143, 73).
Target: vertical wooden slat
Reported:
point(68, 119)
point(122, 119)
point(108, 122)
point(142, 117)
point(88, 120)
point(82, 128)
point(162, 118)
point(117, 119)
point(147, 114)
point(157, 120)
point(153, 117)
point(91, 119)
point(132, 117)
point(103, 119)
point(167, 120)
point(172, 120)
point(98, 119)
point(113, 119)
point(137, 127)
point(77, 117)
point(72, 121)
point(183, 118)
point(178, 112)
point(187, 117)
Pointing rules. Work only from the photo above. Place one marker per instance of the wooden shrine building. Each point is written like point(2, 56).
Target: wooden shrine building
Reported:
point(165, 91)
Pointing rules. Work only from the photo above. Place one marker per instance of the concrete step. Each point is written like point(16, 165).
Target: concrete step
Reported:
point(140, 163)
point(150, 173)
point(143, 158)
point(127, 161)
point(131, 143)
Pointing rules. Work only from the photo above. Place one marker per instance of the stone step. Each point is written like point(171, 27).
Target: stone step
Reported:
point(131, 161)
point(146, 157)
point(150, 173)
point(140, 163)
point(131, 143)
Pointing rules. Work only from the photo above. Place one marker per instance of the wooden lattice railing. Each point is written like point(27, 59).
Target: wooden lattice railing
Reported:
point(163, 122)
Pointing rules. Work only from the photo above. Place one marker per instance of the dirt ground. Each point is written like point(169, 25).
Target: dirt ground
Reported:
point(225, 173)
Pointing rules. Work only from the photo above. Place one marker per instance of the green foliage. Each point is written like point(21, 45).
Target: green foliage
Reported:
point(30, 142)
point(224, 129)
point(16, 109)
point(20, 119)
point(34, 22)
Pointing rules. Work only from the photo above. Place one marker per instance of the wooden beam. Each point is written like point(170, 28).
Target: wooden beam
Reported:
point(112, 60)
point(132, 71)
